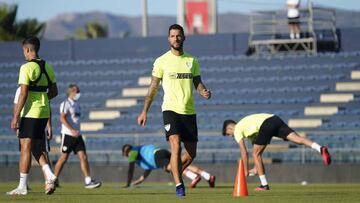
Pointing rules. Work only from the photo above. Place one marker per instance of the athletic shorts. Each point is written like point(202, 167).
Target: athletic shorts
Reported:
point(162, 158)
point(272, 126)
point(183, 125)
point(294, 21)
point(72, 144)
point(33, 128)
point(40, 145)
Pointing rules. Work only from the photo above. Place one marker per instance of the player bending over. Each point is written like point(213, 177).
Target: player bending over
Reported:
point(259, 129)
point(149, 157)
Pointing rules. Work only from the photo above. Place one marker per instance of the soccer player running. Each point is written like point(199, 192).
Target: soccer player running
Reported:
point(72, 140)
point(149, 158)
point(179, 71)
point(32, 112)
point(259, 129)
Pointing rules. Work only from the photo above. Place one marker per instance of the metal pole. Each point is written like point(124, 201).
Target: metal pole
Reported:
point(144, 19)
point(214, 23)
point(181, 13)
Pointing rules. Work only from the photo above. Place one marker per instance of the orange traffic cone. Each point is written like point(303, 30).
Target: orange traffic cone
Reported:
point(240, 188)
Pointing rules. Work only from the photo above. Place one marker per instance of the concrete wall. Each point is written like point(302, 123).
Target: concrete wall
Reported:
point(279, 173)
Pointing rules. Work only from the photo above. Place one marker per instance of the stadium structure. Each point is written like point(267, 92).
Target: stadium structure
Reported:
point(312, 83)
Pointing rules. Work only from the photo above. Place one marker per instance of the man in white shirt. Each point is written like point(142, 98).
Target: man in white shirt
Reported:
point(72, 140)
point(293, 15)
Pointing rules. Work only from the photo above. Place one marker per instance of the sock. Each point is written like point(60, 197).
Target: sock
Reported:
point(205, 175)
point(48, 173)
point(23, 181)
point(297, 35)
point(292, 35)
point(190, 174)
point(87, 179)
point(263, 180)
point(316, 146)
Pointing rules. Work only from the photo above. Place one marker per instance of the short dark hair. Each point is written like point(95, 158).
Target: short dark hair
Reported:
point(72, 85)
point(126, 146)
point(176, 27)
point(34, 41)
point(226, 123)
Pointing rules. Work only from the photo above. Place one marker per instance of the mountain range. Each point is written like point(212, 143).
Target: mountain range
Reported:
point(64, 25)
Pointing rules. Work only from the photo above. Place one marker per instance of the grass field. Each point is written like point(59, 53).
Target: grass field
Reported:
point(159, 193)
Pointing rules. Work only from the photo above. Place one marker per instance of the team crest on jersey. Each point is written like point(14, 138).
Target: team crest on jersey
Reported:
point(189, 64)
point(167, 127)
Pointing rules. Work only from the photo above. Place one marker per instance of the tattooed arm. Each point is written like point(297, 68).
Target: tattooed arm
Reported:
point(154, 84)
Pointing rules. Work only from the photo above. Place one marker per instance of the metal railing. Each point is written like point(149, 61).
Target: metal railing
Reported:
point(267, 28)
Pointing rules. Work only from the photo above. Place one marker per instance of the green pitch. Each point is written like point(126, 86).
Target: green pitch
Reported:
point(161, 193)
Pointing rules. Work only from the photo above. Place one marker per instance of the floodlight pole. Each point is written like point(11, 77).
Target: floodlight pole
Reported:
point(214, 26)
point(144, 22)
point(181, 13)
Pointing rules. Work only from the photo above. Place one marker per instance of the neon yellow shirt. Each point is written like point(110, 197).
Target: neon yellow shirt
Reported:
point(177, 74)
point(249, 126)
point(133, 154)
point(37, 103)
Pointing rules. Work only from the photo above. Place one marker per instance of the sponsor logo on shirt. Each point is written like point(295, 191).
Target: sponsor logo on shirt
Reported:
point(180, 75)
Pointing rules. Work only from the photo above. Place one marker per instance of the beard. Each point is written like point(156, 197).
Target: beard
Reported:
point(179, 48)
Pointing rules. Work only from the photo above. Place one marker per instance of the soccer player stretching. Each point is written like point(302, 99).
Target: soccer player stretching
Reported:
point(259, 129)
point(179, 71)
point(150, 157)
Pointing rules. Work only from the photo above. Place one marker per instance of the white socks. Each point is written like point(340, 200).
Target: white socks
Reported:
point(292, 36)
point(297, 35)
point(263, 180)
point(48, 173)
point(316, 146)
point(87, 179)
point(205, 175)
point(23, 181)
point(190, 174)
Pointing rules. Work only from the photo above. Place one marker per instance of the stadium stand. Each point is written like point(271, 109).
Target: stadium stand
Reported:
point(317, 94)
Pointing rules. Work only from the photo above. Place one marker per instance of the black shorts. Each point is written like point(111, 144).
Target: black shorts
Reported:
point(72, 144)
point(162, 158)
point(294, 21)
point(272, 126)
point(183, 125)
point(39, 145)
point(33, 128)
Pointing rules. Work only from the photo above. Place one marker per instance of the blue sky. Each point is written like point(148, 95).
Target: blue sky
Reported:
point(47, 9)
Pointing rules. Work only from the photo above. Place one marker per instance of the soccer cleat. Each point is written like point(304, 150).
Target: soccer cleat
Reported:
point(212, 181)
point(17, 191)
point(50, 186)
point(195, 182)
point(180, 190)
point(93, 184)
point(326, 155)
point(262, 188)
point(57, 184)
